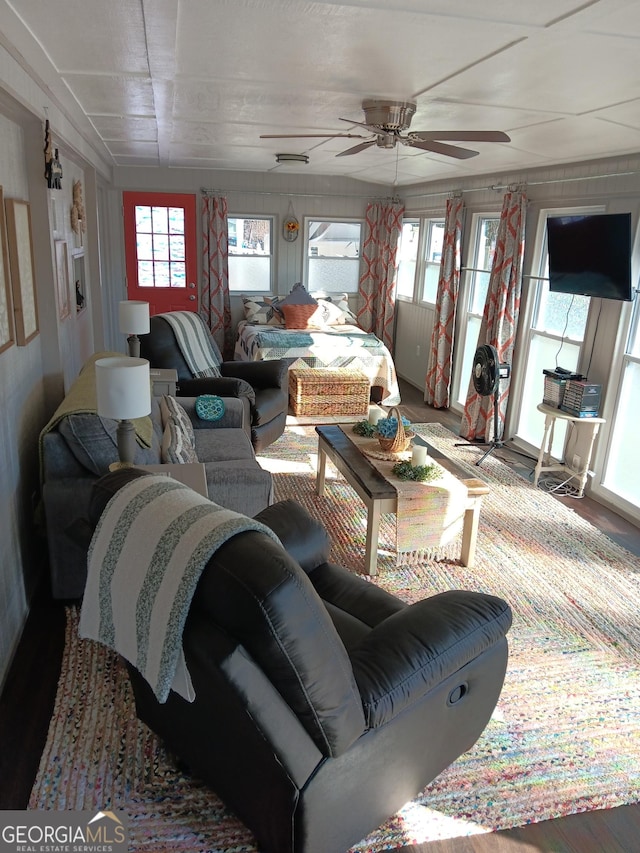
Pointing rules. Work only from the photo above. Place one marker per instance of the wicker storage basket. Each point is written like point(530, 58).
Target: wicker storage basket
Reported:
point(401, 440)
point(327, 391)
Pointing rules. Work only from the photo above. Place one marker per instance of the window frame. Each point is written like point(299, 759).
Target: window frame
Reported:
point(348, 220)
point(468, 274)
point(426, 222)
point(271, 218)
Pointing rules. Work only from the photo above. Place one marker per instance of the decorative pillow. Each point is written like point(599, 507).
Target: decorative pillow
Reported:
point(209, 407)
point(264, 313)
point(341, 302)
point(179, 415)
point(176, 446)
point(298, 296)
point(299, 316)
point(328, 314)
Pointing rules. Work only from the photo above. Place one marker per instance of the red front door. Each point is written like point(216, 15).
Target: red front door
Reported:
point(160, 250)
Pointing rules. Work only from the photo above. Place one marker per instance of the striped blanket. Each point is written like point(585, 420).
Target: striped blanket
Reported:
point(145, 559)
point(194, 342)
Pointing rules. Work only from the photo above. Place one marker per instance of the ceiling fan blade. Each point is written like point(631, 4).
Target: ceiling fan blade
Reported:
point(442, 148)
point(311, 136)
point(370, 127)
point(461, 135)
point(356, 148)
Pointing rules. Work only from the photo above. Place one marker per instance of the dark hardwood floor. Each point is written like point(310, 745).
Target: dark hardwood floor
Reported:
point(27, 700)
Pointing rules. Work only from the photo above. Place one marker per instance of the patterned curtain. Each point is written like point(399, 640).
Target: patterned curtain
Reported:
point(215, 306)
point(500, 318)
point(377, 285)
point(438, 380)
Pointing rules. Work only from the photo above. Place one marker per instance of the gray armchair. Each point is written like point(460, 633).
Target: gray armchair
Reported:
point(264, 384)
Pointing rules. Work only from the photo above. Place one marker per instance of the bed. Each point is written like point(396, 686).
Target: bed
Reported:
point(344, 345)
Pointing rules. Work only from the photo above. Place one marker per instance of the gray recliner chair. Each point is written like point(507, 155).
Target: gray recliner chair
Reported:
point(264, 383)
point(323, 703)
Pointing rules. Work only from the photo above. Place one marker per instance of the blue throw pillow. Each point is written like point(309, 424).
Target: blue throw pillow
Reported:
point(209, 407)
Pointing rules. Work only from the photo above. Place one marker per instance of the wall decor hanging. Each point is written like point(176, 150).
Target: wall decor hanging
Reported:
point(6, 304)
point(62, 279)
point(52, 165)
point(290, 226)
point(78, 221)
point(23, 283)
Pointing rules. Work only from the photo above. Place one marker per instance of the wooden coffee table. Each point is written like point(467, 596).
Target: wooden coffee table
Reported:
point(379, 495)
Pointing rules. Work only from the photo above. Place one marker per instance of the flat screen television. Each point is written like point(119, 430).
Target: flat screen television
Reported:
point(590, 255)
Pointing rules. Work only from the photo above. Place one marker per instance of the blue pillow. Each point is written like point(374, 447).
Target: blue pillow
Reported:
point(210, 407)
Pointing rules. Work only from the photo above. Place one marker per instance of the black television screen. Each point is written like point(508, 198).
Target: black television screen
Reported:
point(590, 255)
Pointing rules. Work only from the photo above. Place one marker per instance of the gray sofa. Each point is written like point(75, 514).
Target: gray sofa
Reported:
point(78, 447)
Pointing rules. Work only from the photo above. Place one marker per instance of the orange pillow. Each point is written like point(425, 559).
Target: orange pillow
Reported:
point(299, 316)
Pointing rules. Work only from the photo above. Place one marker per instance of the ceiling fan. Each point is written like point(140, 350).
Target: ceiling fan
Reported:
point(386, 121)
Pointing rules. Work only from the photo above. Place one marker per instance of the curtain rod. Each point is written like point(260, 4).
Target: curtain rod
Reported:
point(206, 191)
point(498, 187)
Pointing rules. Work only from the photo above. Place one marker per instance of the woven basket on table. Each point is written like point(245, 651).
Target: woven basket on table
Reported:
point(401, 440)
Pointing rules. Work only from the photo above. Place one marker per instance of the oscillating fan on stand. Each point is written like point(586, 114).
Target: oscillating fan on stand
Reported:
point(486, 375)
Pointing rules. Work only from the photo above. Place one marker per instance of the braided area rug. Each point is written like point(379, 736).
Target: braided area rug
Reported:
point(563, 738)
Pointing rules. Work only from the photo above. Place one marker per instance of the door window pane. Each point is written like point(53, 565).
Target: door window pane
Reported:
point(156, 251)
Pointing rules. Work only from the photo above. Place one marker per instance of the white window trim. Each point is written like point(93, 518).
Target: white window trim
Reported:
point(305, 243)
point(272, 255)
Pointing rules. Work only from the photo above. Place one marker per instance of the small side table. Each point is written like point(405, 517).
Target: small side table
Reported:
point(544, 457)
point(164, 381)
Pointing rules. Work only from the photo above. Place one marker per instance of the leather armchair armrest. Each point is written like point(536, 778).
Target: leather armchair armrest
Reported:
point(259, 374)
point(411, 652)
point(304, 538)
point(223, 386)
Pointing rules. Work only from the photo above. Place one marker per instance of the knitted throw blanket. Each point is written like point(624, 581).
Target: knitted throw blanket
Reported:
point(194, 342)
point(145, 559)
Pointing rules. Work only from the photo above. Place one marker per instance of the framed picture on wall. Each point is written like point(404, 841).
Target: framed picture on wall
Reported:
point(63, 297)
point(6, 303)
point(23, 283)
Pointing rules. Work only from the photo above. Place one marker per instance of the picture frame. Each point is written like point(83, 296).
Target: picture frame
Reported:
point(7, 337)
point(21, 262)
point(63, 296)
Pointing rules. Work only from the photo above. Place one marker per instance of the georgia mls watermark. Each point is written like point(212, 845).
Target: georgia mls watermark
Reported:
point(62, 832)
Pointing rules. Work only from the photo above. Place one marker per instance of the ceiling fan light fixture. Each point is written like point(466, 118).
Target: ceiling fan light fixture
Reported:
point(292, 158)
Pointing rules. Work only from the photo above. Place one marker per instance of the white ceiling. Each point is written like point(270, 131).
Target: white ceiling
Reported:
point(193, 83)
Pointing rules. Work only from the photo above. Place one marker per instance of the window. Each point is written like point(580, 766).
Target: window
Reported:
point(419, 257)
point(408, 257)
point(476, 280)
point(434, 238)
point(250, 253)
point(623, 459)
point(332, 253)
point(554, 339)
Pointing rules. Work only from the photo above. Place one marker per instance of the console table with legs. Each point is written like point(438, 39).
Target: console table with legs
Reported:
point(545, 462)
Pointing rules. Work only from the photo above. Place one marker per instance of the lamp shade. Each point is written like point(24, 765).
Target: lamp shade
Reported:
point(123, 388)
point(133, 317)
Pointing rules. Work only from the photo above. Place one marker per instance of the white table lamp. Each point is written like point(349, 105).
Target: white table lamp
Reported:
point(133, 319)
point(123, 390)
